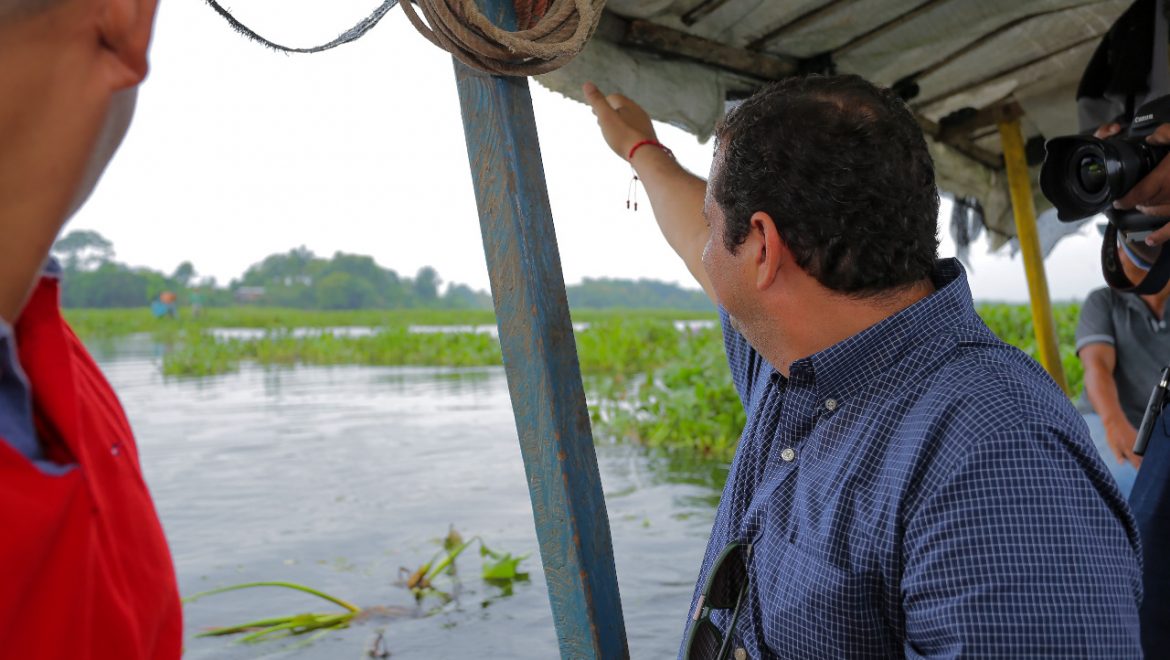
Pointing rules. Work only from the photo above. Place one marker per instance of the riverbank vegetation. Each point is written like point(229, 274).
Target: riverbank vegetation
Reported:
point(300, 279)
point(648, 377)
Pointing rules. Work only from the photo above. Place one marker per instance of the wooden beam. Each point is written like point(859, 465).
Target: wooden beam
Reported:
point(701, 10)
point(650, 36)
point(992, 115)
point(761, 67)
point(540, 358)
point(962, 144)
point(807, 18)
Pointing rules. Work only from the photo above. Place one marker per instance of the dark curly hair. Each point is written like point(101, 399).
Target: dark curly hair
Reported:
point(842, 167)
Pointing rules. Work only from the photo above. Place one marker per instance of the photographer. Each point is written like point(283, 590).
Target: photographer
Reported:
point(1128, 69)
point(1122, 337)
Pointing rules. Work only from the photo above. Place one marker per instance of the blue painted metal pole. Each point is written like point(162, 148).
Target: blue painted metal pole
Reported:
point(540, 358)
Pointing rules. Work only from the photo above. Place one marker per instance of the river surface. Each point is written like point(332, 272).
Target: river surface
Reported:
point(336, 477)
point(252, 334)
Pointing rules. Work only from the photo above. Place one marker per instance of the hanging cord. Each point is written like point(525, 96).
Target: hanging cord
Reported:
point(349, 35)
point(551, 32)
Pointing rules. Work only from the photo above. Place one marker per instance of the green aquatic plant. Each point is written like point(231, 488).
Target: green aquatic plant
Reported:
point(104, 323)
point(685, 401)
point(420, 581)
point(501, 568)
point(645, 380)
point(498, 568)
point(280, 626)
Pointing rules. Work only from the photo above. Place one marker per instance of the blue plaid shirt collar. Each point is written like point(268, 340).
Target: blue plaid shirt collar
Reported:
point(839, 370)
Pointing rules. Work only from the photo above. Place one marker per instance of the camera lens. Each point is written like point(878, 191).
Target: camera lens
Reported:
point(1092, 174)
point(1082, 175)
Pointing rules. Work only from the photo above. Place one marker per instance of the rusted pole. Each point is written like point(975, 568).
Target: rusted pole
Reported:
point(540, 358)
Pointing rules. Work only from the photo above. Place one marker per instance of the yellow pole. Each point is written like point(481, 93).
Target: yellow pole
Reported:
point(1012, 139)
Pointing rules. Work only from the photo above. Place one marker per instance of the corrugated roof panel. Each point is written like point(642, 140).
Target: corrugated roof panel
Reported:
point(965, 53)
point(937, 33)
point(1023, 43)
point(838, 25)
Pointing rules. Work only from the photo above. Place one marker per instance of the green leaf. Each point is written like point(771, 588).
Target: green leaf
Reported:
point(503, 567)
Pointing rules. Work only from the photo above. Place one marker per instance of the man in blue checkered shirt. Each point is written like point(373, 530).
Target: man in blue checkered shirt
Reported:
point(908, 483)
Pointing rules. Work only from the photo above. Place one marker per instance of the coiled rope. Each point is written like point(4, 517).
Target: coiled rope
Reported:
point(552, 35)
point(551, 32)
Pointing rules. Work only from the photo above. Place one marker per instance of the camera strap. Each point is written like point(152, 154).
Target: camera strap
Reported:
point(1154, 281)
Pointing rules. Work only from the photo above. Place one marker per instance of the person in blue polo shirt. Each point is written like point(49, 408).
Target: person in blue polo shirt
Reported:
point(1123, 341)
point(906, 483)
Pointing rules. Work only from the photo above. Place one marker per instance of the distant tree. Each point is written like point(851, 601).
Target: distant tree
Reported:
point(344, 291)
point(609, 293)
point(426, 285)
point(83, 249)
point(184, 274)
point(359, 265)
point(110, 285)
point(396, 293)
point(297, 266)
point(461, 296)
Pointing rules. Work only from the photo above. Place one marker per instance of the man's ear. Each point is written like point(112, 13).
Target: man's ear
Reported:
point(124, 28)
point(772, 254)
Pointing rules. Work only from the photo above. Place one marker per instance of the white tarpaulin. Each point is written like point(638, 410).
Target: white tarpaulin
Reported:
point(960, 53)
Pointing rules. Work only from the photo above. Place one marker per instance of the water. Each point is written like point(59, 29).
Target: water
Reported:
point(337, 477)
point(252, 334)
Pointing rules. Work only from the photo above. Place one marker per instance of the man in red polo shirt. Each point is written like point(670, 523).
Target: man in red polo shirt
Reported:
point(84, 568)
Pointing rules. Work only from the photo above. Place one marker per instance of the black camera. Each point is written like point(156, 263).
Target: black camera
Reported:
point(1082, 176)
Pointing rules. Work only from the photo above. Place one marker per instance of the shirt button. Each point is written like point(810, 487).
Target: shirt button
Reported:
point(788, 454)
point(741, 654)
point(830, 404)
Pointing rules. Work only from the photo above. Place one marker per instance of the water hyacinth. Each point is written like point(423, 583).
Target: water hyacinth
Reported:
point(500, 569)
point(281, 626)
point(645, 379)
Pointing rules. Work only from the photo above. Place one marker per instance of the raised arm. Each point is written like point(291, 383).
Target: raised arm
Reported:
point(676, 195)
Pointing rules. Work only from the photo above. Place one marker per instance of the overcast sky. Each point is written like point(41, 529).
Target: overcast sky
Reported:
point(238, 152)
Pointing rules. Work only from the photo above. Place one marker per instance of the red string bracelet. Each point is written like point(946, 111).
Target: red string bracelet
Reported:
point(632, 192)
point(643, 143)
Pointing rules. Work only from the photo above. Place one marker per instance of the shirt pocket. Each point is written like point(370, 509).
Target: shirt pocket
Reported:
point(810, 607)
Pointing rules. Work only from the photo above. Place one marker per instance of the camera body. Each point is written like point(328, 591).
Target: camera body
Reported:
point(1083, 175)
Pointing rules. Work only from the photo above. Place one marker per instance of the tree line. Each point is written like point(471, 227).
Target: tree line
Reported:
point(303, 280)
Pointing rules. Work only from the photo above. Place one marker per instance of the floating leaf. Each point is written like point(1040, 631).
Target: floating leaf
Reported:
point(501, 566)
point(295, 624)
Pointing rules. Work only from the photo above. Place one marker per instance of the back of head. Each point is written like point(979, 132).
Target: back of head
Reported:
point(843, 169)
